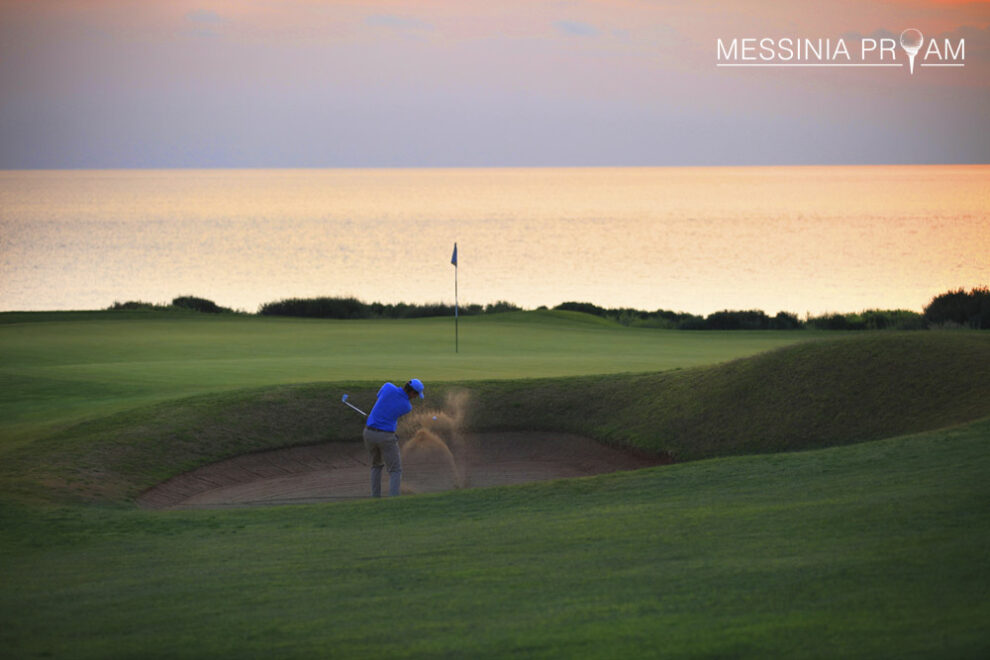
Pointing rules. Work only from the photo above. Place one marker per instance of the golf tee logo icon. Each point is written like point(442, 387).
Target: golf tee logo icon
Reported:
point(911, 41)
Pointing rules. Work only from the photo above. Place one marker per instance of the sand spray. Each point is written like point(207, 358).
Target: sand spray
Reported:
point(424, 440)
point(440, 431)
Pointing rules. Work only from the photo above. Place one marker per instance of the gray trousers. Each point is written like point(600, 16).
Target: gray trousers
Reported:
point(383, 447)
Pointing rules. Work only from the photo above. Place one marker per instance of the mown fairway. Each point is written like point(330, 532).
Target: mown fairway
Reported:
point(875, 549)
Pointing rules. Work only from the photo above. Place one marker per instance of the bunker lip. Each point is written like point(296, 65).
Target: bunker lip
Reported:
point(339, 471)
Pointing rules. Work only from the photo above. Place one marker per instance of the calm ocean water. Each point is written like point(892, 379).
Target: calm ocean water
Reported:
point(802, 239)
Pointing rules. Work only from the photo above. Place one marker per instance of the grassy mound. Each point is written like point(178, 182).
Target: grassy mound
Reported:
point(809, 395)
point(799, 397)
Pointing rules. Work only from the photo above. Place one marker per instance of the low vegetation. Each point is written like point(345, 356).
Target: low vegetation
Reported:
point(352, 308)
point(181, 303)
point(873, 319)
point(961, 309)
point(664, 319)
point(951, 309)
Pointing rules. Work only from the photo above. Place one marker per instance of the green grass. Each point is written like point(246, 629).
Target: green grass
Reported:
point(875, 548)
point(810, 395)
point(61, 367)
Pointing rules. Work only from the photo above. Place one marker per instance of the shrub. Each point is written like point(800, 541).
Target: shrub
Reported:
point(501, 306)
point(635, 317)
point(198, 305)
point(352, 308)
point(893, 319)
point(322, 308)
point(131, 305)
point(587, 308)
point(872, 319)
point(786, 321)
point(753, 319)
point(679, 320)
point(838, 322)
point(748, 320)
point(967, 309)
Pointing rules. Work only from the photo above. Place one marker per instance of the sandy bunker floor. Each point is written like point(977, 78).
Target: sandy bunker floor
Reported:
point(340, 471)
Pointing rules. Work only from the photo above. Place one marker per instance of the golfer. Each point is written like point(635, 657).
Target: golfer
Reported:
point(379, 435)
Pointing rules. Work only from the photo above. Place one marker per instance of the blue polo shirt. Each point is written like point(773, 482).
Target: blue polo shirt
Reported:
point(392, 403)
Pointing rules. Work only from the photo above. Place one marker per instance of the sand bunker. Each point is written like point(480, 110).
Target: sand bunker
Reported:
point(437, 455)
point(433, 459)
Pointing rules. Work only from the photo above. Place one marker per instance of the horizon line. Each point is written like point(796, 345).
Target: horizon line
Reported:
point(164, 168)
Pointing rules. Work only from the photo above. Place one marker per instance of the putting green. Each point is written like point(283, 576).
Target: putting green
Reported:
point(57, 368)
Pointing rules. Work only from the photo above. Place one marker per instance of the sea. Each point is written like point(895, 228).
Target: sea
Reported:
point(806, 240)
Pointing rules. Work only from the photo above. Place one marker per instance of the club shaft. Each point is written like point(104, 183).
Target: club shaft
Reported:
point(356, 408)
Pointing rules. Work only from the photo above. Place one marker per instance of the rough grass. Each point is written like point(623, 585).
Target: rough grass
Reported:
point(876, 550)
point(805, 396)
point(809, 395)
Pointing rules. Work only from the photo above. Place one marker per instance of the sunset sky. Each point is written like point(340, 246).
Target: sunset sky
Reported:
point(321, 83)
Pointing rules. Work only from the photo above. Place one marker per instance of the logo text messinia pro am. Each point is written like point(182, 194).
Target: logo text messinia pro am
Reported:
point(911, 49)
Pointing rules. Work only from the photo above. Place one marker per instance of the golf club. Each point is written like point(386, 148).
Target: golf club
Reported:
point(344, 399)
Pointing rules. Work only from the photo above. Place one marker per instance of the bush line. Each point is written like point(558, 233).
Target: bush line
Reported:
point(955, 308)
point(352, 308)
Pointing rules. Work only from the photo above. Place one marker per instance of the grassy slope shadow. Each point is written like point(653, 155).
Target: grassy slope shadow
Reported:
point(810, 395)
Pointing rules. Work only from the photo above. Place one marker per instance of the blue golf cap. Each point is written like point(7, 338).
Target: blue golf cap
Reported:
point(417, 385)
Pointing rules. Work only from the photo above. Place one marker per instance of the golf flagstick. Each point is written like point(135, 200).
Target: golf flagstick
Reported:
point(453, 260)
